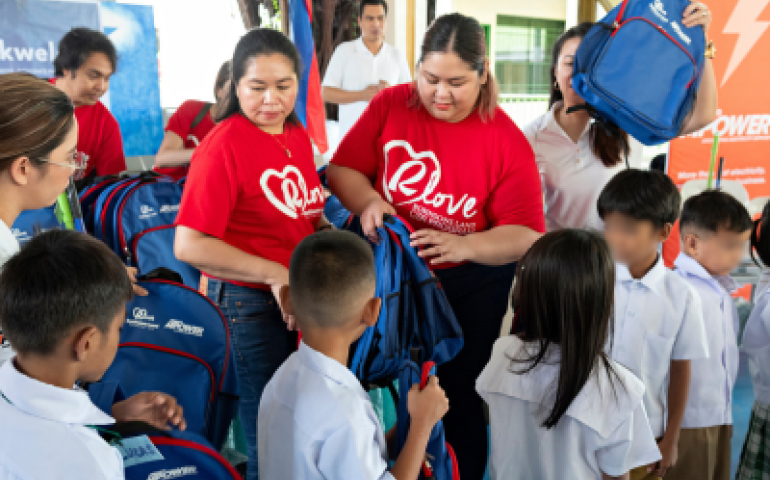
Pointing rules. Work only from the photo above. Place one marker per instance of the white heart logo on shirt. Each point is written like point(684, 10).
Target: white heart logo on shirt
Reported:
point(415, 180)
point(293, 190)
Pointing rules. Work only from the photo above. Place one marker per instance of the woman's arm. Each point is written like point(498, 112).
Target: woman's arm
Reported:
point(498, 246)
point(172, 152)
point(706, 103)
point(217, 258)
point(705, 112)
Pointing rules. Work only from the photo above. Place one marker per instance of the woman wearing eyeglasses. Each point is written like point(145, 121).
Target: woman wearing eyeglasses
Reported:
point(38, 155)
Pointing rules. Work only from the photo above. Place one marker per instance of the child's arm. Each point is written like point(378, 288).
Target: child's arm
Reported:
point(426, 408)
point(678, 389)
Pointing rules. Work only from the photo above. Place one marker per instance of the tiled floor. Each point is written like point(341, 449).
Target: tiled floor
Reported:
point(742, 402)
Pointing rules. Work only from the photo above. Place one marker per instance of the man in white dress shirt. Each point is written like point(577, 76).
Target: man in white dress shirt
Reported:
point(359, 69)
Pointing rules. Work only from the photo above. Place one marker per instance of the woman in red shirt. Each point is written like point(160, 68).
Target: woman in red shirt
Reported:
point(186, 129)
point(251, 196)
point(441, 154)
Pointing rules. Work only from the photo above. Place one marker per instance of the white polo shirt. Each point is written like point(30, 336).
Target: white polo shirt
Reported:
point(353, 68)
point(657, 319)
point(572, 176)
point(712, 380)
point(45, 434)
point(316, 422)
point(601, 431)
point(9, 246)
point(756, 341)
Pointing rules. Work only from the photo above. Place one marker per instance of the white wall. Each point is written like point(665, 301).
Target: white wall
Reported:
point(195, 37)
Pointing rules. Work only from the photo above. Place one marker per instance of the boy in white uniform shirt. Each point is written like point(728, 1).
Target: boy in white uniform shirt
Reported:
point(658, 317)
point(315, 420)
point(715, 228)
point(559, 407)
point(63, 305)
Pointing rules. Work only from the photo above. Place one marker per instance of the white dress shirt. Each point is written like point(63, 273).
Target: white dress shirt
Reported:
point(45, 434)
point(353, 68)
point(756, 341)
point(712, 380)
point(573, 177)
point(9, 246)
point(657, 319)
point(316, 422)
point(605, 429)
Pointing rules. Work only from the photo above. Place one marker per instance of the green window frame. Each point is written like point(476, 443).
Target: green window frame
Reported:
point(523, 53)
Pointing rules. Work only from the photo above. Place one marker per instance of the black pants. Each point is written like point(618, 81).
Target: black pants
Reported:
point(479, 296)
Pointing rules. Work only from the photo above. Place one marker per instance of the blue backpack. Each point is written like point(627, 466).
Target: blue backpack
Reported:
point(32, 221)
point(176, 341)
point(144, 206)
point(154, 248)
point(639, 69)
point(334, 212)
point(416, 331)
point(415, 313)
point(185, 455)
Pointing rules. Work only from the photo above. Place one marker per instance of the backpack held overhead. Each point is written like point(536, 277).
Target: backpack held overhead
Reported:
point(639, 69)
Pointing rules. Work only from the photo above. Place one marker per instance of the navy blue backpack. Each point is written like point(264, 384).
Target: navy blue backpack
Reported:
point(30, 221)
point(176, 341)
point(186, 455)
point(639, 69)
point(154, 248)
point(416, 331)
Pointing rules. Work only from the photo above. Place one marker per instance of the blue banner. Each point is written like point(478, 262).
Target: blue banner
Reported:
point(134, 97)
point(30, 31)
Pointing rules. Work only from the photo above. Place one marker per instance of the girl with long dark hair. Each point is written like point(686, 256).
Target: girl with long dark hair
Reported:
point(559, 406)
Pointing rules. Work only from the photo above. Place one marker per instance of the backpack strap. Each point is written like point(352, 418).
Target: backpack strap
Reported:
point(201, 115)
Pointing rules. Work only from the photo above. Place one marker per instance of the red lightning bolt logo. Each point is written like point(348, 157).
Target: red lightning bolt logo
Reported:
point(743, 22)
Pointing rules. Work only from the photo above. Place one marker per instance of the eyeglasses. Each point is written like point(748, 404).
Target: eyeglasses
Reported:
point(77, 162)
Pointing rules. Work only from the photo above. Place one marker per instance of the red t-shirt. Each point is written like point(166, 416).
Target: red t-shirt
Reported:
point(460, 178)
point(245, 190)
point(99, 139)
point(180, 123)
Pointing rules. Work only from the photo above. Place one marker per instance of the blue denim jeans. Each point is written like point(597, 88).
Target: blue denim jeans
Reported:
point(261, 344)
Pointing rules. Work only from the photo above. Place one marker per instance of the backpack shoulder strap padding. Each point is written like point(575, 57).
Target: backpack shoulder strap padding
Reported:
point(201, 115)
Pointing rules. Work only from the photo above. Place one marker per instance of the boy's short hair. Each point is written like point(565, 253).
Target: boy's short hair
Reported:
point(331, 274)
point(364, 3)
point(59, 281)
point(641, 194)
point(713, 210)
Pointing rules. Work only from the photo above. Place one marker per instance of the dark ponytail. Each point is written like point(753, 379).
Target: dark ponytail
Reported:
point(463, 36)
point(255, 43)
point(760, 238)
point(565, 300)
point(611, 149)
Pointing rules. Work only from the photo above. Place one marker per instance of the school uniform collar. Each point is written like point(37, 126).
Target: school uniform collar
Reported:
point(694, 269)
point(597, 408)
point(362, 48)
point(48, 402)
point(653, 279)
point(551, 125)
point(330, 369)
point(8, 242)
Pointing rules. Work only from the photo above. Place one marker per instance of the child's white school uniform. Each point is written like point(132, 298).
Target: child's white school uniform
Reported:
point(317, 422)
point(605, 429)
point(657, 319)
point(9, 246)
point(755, 458)
point(712, 379)
point(45, 434)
